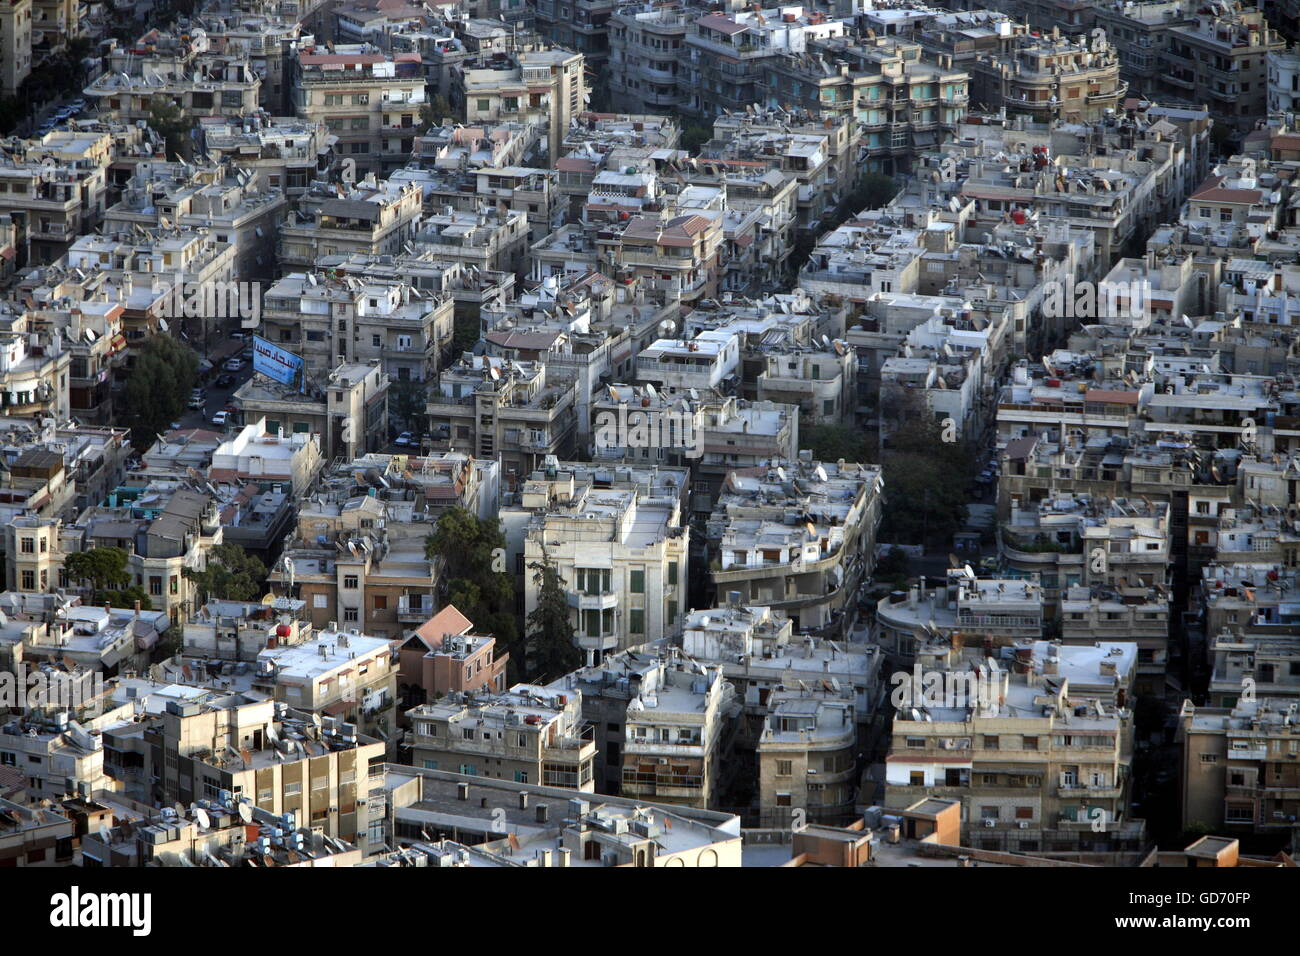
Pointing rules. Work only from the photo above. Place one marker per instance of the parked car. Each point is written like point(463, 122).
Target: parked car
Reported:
point(196, 402)
point(233, 365)
point(405, 440)
point(225, 381)
point(220, 418)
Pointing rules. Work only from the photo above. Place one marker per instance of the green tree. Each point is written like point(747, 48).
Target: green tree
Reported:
point(693, 137)
point(232, 574)
point(833, 442)
point(407, 399)
point(158, 386)
point(873, 190)
point(926, 477)
point(105, 570)
point(173, 124)
point(550, 648)
point(102, 568)
point(472, 551)
point(125, 597)
point(434, 112)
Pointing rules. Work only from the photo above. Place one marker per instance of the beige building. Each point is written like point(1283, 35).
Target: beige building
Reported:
point(1039, 753)
point(807, 758)
point(529, 734)
point(1241, 768)
point(369, 100)
point(15, 45)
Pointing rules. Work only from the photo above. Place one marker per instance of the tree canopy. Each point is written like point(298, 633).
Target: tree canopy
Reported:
point(550, 648)
point(172, 123)
point(105, 570)
point(472, 551)
point(232, 574)
point(158, 387)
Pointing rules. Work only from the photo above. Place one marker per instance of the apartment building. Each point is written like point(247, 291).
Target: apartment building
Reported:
point(281, 153)
point(645, 65)
point(1222, 59)
point(205, 746)
point(553, 827)
point(15, 45)
point(494, 408)
point(725, 53)
point(807, 758)
point(347, 410)
point(443, 657)
point(621, 550)
point(346, 675)
point(1036, 762)
point(34, 836)
point(370, 101)
point(903, 98)
point(198, 81)
point(358, 562)
point(54, 755)
point(528, 734)
point(240, 630)
point(370, 218)
point(677, 735)
point(331, 320)
point(538, 87)
point(999, 608)
point(1239, 768)
point(760, 554)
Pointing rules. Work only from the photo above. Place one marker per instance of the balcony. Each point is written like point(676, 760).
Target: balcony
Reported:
point(1256, 753)
point(583, 601)
point(414, 612)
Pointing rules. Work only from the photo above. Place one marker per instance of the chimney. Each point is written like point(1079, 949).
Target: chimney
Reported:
point(523, 799)
point(562, 858)
point(462, 791)
point(543, 811)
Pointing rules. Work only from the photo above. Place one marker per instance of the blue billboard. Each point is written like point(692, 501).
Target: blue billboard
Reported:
point(274, 362)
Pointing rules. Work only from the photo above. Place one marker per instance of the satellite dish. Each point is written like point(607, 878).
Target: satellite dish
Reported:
point(162, 323)
point(246, 813)
point(201, 818)
point(650, 390)
point(780, 472)
point(179, 808)
point(105, 835)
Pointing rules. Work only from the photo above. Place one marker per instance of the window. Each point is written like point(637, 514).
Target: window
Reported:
point(292, 789)
point(29, 580)
point(381, 602)
point(1031, 743)
point(484, 105)
point(155, 584)
point(521, 776)
point(784, 768)
point(1209, 758)
point(29, 546)
point(672, 573)
point(350, 614)
point(990, 742)
point(350, 581)
point(637, 582)
point(1024, 813)
point(916, 743)
point(636, 618)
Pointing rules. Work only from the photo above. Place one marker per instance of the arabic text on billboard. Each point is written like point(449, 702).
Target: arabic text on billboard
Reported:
point(275, 362)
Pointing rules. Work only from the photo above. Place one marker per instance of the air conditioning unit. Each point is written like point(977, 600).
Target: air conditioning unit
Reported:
point(1024, 824)
point(990, 823)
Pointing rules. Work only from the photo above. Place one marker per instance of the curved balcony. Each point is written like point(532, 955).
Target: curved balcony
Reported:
point(592, 602)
